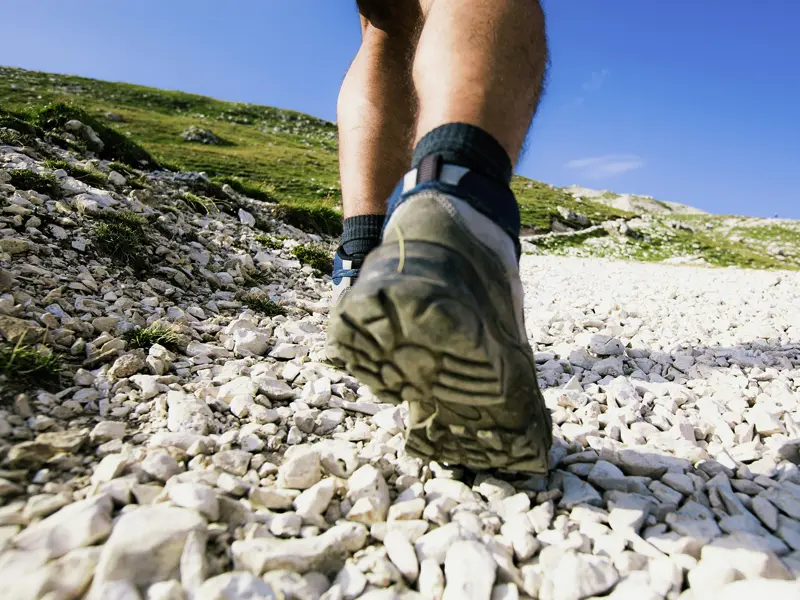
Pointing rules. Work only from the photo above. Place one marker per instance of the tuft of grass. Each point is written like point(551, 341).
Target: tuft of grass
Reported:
point(146, 337)
point(121, 236)
point(19, 123)
point(88, 176)
point(260, 302)
point(123, 169)
point(28, 367)
point(200, 204)
point(251, 190)
point(208, 188)
point(116, 146)
point(270, 241)
point(315, 257)
point(311, 218)
point(25, 179)
point(12, 137)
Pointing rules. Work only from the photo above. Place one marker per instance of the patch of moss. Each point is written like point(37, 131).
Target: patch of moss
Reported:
point(116, 146)
point(24, 367)
point(88, 176)
point(25, 179)
point(311, 218)
point(315, 257)
point(270, 241)
point(121, 236)
point(261, 303)
point(146, 337)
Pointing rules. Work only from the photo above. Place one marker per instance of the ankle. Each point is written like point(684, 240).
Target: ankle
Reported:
point(482, 179)
point(361, 234)
point(466, 146)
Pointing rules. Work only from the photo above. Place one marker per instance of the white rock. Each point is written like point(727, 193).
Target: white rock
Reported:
point(351, 582)
point(315, 500)
point(401, 553)
point(65, 577)
point(431, 580)
point(435, 544)
point(74, 526)
point(240, 386)
point(146, 546)
point(368, 492)
point(107, 430)
point(160, 464)
point(576, 576)
point(301, 471)
point(747, 553)
point(197, 497)
point(116, 179)
point(469, 571)
point(165, 590)
point(246, 218)
point(188, 415)
point(390, 419)
point(321, 553)
point(236, 585)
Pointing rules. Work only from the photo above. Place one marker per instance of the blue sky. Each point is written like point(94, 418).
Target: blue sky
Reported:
point(694, 101)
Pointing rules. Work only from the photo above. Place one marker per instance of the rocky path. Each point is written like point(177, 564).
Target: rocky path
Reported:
point(237, 464)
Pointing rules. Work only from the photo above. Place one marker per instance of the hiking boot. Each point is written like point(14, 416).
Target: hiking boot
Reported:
point(436, 319)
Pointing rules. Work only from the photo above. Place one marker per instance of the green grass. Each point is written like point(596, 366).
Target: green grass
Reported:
point(261, 303)
point(557, 242)
point(25, 179)
point(770, 232)
point(716, 250)
point(321, 219)
point(539, 202)
point(146, 337)
point(28, 367)
point(317, 258)
point(121, 237)
point(88, 176)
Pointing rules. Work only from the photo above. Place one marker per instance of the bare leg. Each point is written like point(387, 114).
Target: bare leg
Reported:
point(481, 62)
point(376, 108)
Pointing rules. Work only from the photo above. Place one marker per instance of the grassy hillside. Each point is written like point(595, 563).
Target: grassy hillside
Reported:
point(291, 158)
point(290, 155)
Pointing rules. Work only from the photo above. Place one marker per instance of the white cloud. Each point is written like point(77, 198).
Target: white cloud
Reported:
point(596, 81)
point(609, 165)
point(593, 84)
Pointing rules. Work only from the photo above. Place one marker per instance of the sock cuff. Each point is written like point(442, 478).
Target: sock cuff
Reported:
point(467, 146)
point(362, 233)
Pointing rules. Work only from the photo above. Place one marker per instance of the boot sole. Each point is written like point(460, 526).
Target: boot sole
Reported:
point(472, 394)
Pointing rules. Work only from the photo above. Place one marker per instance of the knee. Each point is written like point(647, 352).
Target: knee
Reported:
point(394, 17)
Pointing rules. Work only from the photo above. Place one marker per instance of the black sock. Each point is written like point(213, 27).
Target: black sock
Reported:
point(486, 186)
point(467, 146)
point(361, 234)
